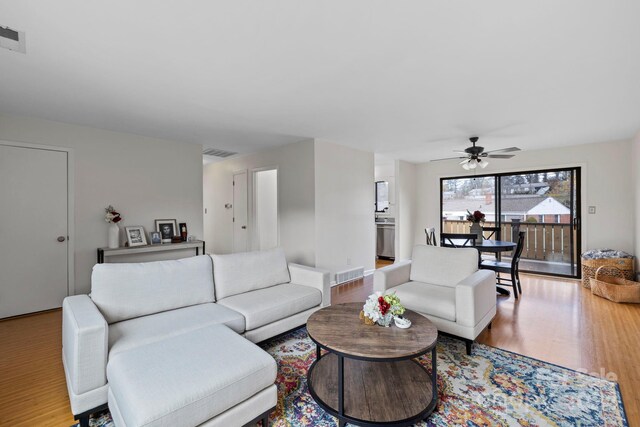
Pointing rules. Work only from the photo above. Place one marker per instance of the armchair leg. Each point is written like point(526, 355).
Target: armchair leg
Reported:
point(84, 421)
point(489, 325)
point(469, 344)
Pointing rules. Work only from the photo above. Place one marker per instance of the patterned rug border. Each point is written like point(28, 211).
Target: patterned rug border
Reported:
point(617, 385)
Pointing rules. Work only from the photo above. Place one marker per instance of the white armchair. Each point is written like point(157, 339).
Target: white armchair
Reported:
point(446, 286)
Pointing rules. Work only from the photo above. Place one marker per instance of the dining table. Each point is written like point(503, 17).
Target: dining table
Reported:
point(485, 245)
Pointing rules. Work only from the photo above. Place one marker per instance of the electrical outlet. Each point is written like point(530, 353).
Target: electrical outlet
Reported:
point(348, 261)
point(592, 209)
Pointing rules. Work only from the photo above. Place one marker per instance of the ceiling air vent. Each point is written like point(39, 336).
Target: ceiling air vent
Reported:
point(216, 152)
point(12, 40)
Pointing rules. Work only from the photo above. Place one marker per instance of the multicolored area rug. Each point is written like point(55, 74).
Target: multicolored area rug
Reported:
point(492, 387)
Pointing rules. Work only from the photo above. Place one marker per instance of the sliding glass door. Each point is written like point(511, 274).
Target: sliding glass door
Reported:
point(545, 205)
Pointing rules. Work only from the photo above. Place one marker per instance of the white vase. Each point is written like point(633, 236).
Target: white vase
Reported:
point(476, 229)
point(114, 236)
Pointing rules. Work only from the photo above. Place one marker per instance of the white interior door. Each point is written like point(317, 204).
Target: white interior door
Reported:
point(33, 230)
point(240, 208)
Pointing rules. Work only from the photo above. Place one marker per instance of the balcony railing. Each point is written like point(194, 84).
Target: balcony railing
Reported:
point(544, 241)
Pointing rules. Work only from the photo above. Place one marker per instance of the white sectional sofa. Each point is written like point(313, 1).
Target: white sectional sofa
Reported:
point(171, 342)
point(445, 285)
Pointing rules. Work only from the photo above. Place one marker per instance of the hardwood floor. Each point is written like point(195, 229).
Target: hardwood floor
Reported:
point(555, 320)
point(560, 322)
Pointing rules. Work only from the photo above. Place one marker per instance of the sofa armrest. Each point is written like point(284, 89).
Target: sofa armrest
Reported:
point(391, 275)
point(475, 297)
point(314, 277)
point(84, 344)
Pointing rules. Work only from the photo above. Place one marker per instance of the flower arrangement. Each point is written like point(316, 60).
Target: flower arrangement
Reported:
point(475, 217)
point(111, 216)
point(380, 309)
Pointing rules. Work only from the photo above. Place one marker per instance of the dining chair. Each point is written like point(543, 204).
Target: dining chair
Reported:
point(430, 234)
point(511, 268)
point(462, 240)
point(494, 233)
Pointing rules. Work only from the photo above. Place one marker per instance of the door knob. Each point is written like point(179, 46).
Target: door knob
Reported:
point(244, 227)
point(61, 239)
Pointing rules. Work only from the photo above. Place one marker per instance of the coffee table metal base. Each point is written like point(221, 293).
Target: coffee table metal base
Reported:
point(372, 393)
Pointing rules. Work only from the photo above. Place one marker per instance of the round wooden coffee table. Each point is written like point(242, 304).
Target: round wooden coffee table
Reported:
point(369, 376)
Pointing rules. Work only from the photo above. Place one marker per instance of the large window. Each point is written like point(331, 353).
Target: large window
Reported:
point(544, 204)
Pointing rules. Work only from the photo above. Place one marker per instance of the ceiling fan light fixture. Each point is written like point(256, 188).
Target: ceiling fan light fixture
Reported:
point(465, 166)
point(483, 164)
point(471, 164)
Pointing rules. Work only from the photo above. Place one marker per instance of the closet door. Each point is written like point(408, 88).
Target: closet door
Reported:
point(33, 230)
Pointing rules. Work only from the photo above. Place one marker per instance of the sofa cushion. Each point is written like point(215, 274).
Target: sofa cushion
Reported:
point(442, 266)
point(247, 271)
point(187, 379)
point(268, 305)
point(126, 290)
point(434, 300)
point(144, 330)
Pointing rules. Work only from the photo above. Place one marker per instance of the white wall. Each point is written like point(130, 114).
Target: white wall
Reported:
point(143, 178)
point(266, 209)
point(296, 199)
point(406, 209)
point(344, 208)
point(606, 180)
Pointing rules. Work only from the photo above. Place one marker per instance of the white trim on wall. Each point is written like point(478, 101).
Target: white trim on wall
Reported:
point(71, 282)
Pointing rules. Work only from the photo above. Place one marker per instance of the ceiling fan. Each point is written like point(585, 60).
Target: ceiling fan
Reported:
point(474, 155)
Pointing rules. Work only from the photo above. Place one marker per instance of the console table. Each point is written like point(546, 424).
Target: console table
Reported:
point(124, 251)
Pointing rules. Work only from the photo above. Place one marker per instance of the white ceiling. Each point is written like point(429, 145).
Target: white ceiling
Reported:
point(409, 79)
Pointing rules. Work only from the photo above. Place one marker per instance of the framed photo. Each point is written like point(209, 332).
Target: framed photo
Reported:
point(135, 236)
point(155, 237)
point(168, 228)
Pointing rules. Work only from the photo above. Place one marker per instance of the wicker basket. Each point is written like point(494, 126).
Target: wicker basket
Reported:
point(615, 287)
point(590, 266)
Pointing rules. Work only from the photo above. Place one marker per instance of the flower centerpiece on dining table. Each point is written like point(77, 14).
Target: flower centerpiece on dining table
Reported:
point(475, 219)
point(381, 309)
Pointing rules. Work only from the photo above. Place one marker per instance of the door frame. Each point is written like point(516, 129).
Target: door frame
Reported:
point(71, 234)
point(579, 176)
point(233, 213)
point(251, 207)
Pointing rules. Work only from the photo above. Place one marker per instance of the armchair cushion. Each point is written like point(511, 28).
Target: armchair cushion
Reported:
point(249, 271)
point(126, 290)
point(268, 305)
point(442, 266)
point(434, 300)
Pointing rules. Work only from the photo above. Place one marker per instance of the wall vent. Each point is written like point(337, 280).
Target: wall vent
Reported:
point(349, 274)
point(216, 152)
point(12, 40)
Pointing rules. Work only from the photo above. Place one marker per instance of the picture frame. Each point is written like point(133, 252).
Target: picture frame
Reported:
point(155, 238)
point(183, 231)
point(136, 235)
point(168, 228)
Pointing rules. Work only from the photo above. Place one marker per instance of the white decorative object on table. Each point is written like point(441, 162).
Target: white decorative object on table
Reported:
point(113, 217)
point(402, 322)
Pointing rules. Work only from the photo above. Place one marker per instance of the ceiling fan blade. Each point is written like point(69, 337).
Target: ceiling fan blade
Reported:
point(504, 150)
point(500, 156)
point(460, 152)
point(448, 158)
point(464, 161)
